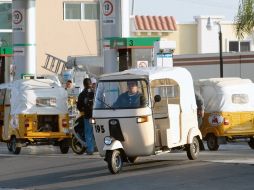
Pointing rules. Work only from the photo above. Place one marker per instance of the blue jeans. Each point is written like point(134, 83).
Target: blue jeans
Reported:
point(89, 138)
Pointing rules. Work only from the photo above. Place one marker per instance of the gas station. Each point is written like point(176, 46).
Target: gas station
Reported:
point(119, 50)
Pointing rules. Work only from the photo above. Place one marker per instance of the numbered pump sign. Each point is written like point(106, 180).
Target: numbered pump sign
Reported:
point(18, 23)
point(108, 12)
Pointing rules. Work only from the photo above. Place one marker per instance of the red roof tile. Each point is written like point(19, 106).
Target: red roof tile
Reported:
point(160, 23)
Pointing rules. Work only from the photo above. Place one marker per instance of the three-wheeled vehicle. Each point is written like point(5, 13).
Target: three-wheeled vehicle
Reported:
point(164, 116)
point(229, 110)
point(34, 112)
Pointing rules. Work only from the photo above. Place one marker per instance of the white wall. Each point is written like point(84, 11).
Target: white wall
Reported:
point(208, 41)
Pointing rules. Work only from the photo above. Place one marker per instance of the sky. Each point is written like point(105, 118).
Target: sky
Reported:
point(185, 10)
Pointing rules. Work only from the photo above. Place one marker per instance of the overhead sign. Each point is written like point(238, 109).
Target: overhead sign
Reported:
point(18, 23)
point(108, 8)
point(5, 51)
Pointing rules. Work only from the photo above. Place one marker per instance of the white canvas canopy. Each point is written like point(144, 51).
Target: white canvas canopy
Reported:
point(25, 92)
point(226, 94)
point(181, 75)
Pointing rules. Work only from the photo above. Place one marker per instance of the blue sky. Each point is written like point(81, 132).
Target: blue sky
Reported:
point(185, 10)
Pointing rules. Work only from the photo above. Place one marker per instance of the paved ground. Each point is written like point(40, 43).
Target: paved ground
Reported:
point(46, 168)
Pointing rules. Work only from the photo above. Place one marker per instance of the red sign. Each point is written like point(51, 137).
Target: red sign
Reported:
point(107, 8)
point(17, 17)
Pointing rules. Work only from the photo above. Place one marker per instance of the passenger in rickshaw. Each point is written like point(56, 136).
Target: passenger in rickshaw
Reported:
point(131, 98)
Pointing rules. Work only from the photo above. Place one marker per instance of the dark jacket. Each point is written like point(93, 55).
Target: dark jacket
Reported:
point(130, 101)
point(85, 102)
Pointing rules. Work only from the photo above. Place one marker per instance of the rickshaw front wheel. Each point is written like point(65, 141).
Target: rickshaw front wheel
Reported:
point(212, 142)
point(76, 146)
point(114, 160)
point(251, 143)
point(13, 145)
point(193, 149)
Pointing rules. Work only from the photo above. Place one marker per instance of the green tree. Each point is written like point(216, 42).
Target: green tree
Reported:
point(244, 20)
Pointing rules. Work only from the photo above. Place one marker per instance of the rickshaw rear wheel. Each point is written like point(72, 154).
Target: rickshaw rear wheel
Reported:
point(9, 147)
point(251, 143)
point(13, 145)
point(193, 149)
point(212, 142)
point(114, 160)
point(64, 146)
point(76, 146)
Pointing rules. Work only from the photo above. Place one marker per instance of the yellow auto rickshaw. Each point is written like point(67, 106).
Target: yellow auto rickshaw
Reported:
point(34, 112)
point(229, 110)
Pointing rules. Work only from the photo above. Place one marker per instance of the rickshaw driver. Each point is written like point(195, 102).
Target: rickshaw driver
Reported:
point(131, 98)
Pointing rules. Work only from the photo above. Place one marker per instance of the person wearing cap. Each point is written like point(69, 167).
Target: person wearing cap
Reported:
point(131, 98)
point(85, 106)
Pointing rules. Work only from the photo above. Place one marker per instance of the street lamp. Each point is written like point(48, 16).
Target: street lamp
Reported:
point(209, 26)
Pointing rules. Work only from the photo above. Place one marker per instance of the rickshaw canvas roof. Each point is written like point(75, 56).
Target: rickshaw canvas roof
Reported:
point(181, 75)
point(25, 92)
point(218, 92)
point(150, 73)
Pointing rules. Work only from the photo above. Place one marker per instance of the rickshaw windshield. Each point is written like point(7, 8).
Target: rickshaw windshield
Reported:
point(121, 94)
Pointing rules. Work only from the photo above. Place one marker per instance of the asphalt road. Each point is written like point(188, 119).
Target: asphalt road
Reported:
point(44, 167)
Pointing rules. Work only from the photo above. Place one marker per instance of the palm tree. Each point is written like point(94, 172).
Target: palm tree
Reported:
point(244, 20)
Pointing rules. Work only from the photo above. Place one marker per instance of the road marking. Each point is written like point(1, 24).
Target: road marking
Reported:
point(233, 161)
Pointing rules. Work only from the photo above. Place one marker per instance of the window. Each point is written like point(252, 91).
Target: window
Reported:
point(240, 98)
point(237, 46)
point(81, 11)
point(170, 91)
point(5, 24)
point(121, 94)
point(5, 16)
point(244, 46)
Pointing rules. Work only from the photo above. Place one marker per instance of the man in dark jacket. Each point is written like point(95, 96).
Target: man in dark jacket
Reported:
point(85, 106)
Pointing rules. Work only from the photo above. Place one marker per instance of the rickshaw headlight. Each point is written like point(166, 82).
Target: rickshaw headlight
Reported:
point(108, 140)
point(142, 119)
point(92, 121)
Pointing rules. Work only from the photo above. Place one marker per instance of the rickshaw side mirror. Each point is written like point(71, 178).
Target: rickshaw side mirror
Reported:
point(157, 98)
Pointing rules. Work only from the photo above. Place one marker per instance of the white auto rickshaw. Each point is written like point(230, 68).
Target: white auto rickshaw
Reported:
point(164, 118)
point(229, 110)
point(34, 112)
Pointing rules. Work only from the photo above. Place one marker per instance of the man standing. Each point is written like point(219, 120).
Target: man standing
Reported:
point(85, 106)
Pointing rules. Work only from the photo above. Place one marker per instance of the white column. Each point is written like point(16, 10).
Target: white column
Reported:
point(208, 41)
point(24, 37)
point(115, 19)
